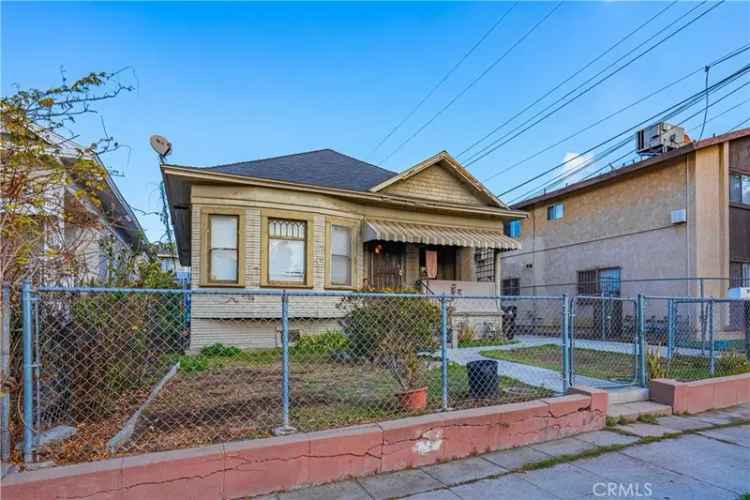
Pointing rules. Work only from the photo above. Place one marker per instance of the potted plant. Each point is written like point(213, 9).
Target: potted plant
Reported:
point(394, 333)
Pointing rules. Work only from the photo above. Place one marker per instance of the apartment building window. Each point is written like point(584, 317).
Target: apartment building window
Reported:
point(607, 282)
point(556, 211)
point(341, 255)
point(739, 188)
point(287, 251)
point(512, 228)
point(511, 287)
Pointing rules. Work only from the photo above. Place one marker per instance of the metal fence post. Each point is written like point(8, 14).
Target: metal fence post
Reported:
point(670, 328)
point(28, 393)
point(747, 329)
point(285, 428)
point(711, 350)
point(444, 350)
point(565, 330)
point(642, 340)
point(702, 317)
point(4, 372)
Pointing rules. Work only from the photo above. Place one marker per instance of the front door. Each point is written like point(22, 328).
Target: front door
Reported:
point(386, 265)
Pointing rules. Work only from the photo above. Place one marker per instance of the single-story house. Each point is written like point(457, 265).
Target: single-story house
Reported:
point(322, 220)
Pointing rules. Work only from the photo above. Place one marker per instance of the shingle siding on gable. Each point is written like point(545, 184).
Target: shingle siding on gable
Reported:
point(435, 183)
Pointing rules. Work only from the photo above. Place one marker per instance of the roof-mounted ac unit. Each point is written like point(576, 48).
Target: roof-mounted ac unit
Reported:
point(660, 138)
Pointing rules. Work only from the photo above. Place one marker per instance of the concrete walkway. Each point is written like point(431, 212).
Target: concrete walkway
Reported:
point(543, 377)
point(532, 375)
point(700, 457)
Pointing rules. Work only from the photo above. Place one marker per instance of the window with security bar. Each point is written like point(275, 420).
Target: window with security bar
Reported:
point(484, 260)
point(511, 287)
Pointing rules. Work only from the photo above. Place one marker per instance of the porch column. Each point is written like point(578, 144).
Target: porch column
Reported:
point(498, 273)
point(465, 264)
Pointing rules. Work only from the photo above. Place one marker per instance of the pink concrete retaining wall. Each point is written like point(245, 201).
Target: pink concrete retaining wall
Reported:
point(702, 395)
point(260, 466)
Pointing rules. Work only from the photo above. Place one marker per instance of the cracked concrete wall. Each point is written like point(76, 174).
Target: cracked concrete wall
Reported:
point(257, 467)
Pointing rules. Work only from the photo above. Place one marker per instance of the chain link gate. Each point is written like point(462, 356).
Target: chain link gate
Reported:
point(604, 342)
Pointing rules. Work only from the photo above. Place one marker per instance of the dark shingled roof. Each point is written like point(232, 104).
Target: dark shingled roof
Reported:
point(325, 167)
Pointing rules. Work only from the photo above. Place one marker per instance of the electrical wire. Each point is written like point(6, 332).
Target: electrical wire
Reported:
point(672, 109)
point(573, 75)
point(722, 59)
point(500, 142)
point(440, 82)
point(472, 83)
point(565, 175)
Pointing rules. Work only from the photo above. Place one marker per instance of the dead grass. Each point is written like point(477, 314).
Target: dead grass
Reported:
point(240, 398)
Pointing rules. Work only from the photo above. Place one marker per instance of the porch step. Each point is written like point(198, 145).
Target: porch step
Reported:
point(627, 395)
point(631, 411)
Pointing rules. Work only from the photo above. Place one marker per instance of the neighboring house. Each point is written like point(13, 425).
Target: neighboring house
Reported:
point(170, 263)
point(322, 220)
point(98, 247)
point(684, 213)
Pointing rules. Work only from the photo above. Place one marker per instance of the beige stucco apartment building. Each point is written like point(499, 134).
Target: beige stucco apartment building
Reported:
point(682, 214)
point(324, 221)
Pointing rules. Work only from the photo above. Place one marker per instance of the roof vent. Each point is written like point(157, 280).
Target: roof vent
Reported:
point(660, 138)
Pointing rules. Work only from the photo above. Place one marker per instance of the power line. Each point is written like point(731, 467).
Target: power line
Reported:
point(472, 83)
point(573, 75)
point(566, 175)
point(724, 58)
point(680, 106)
point(442, 80)
point(739, 124)
point(498, 144)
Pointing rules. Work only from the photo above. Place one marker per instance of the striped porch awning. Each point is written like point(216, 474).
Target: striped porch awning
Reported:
point(438, 235)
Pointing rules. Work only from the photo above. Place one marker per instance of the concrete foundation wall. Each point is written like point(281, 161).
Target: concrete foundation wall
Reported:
point(261, 466)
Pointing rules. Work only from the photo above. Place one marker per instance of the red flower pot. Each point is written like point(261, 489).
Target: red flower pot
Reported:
point(413, 400)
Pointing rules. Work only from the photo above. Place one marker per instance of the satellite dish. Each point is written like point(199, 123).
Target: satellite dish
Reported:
point(161, 145)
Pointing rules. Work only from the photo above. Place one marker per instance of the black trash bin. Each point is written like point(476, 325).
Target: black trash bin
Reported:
point(483, 379)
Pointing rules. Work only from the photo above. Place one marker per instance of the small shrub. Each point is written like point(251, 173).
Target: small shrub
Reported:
point(655, 363)
point(466, 334)
point(392, 332)
point(220, 350)
point(193, 364)
point(327, 342)
point(732, 363)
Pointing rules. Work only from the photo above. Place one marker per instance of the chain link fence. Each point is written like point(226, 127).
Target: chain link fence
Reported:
point(692, 339)
point(120, 371)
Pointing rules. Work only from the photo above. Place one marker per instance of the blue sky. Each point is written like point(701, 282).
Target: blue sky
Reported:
point(229, 82)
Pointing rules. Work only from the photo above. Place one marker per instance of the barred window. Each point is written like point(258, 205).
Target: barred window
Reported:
point(484, 259)
point(511, 287)
point(587, 282)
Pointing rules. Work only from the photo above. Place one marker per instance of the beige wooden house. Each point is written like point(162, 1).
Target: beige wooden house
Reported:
point(322, 220)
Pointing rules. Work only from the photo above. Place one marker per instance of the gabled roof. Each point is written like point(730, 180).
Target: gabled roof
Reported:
point(324, 167)
point(443, 158)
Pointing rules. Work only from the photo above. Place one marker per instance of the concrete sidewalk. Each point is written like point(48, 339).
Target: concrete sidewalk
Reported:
point(705, 456)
